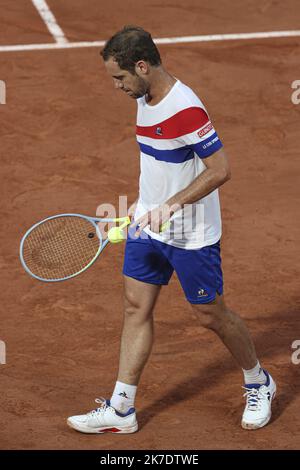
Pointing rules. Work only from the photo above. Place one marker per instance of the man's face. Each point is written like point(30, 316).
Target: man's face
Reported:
point(134, 85)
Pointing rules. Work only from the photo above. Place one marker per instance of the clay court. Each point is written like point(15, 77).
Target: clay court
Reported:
point(68, 145)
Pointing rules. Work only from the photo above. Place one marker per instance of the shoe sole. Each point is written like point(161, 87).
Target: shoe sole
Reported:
point(252, 426)
point(113, 429)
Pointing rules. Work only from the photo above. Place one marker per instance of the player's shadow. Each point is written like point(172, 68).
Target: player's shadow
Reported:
point(271, 342)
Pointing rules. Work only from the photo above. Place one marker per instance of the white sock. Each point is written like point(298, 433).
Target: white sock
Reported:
point(123, 397)
point(255, 375)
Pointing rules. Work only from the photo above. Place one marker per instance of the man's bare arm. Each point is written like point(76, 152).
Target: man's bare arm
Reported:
point(217, 172)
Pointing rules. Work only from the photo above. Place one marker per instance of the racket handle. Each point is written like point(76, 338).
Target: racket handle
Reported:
point(164, 226)
point(123, 221)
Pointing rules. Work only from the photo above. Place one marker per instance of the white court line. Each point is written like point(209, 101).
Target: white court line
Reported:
point(183, 39)
point(50, 21)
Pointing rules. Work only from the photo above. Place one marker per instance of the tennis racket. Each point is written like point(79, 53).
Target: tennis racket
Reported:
point(65, 245)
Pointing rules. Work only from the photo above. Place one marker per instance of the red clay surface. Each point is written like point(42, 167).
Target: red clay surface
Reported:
point(67, 145)
point(173, 18)
point(21, 24)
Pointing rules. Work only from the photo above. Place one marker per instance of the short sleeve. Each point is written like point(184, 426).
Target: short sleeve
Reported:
point(203, 140)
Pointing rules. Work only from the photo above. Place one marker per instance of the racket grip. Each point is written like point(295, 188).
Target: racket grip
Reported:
point(164, 226)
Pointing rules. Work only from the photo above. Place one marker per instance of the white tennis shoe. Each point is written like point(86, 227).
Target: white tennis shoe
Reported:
point(104, 419)
point(259, 398)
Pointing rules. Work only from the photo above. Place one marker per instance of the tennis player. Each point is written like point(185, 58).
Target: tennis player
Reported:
point(183, 163)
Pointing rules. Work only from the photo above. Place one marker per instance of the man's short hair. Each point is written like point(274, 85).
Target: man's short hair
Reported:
point(130, 45)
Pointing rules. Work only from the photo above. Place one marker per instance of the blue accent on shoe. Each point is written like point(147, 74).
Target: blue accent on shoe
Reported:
point(259, 385)
point(122, 415)
point(129, 412)
point(268, 377)
point(253, 386)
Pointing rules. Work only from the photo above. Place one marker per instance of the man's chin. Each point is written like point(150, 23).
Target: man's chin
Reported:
point(134, 95)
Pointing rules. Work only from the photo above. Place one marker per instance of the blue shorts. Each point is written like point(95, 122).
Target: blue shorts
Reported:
point(199, 271)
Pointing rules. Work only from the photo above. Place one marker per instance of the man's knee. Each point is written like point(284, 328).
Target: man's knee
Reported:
point(135, 308)
point(139, 298)
point(209, 315)
point(131, 302)
point(207, 319)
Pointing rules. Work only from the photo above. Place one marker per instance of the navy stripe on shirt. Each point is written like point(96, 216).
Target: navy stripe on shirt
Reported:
point(179, 155)
point(203, 149)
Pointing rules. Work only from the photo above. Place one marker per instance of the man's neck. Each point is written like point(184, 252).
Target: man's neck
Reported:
point(161, 84)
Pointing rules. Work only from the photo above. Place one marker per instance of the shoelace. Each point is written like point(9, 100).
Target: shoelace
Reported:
point(101, 409)
point(253, 397)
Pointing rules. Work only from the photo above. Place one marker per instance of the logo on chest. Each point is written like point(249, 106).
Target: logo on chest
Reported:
point(158, 131)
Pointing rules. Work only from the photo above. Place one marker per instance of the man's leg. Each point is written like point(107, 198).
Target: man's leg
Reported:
point(118, 415)
point(260, 387)
point(203, 288)
point(137, 335)
point(230, 328)
point(136, 340)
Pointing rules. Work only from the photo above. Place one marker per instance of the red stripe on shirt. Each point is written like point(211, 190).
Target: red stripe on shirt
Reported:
point(186, 121)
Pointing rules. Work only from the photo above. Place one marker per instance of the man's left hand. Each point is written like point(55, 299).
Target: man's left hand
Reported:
point(155, 219)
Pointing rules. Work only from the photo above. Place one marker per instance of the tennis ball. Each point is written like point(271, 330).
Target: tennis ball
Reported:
point(116, 235)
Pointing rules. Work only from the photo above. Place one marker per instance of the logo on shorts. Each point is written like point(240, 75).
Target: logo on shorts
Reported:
point(202, 293)
point(158, 131)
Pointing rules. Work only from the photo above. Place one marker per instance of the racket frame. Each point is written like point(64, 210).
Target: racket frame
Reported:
point(93, 220)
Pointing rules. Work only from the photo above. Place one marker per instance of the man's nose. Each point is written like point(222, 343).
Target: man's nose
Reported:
point(118, 84)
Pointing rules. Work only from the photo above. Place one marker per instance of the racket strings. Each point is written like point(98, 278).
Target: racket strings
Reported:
point(60, 247)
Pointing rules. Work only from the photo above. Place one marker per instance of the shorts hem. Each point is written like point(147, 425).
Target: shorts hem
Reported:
point(205, 300)
point(148, 281)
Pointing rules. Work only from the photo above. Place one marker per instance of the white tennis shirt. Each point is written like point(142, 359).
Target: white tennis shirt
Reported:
point(174, 137)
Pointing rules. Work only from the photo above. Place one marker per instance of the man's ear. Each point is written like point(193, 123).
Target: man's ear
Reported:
point(141, 68)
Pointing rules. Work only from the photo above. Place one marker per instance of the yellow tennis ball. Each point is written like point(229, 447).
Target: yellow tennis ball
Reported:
point(116, 235)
